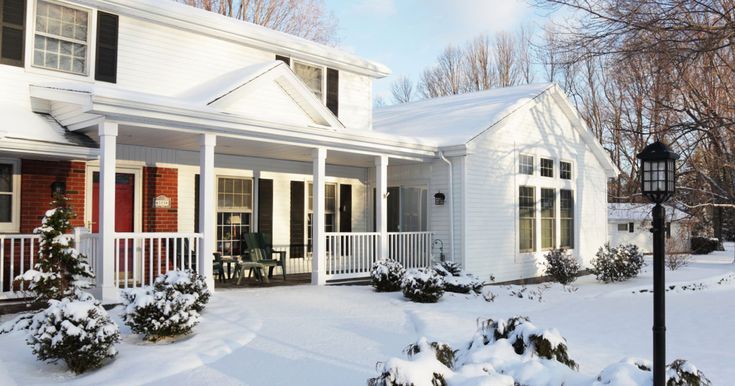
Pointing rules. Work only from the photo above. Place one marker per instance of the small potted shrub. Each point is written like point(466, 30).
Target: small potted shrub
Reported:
point(422, 285)
point(386, 275)
point(561, 266)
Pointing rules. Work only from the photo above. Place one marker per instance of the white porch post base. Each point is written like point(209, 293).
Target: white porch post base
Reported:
point(207, 213)
point(105, 289)
point(381, 202)
point(318, 237)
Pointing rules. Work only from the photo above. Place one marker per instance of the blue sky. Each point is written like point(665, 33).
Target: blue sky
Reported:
point(407, 35)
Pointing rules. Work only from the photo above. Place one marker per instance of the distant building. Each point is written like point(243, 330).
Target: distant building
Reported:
point(631, 224)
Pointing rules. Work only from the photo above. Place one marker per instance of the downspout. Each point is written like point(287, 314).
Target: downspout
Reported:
point(451, 204)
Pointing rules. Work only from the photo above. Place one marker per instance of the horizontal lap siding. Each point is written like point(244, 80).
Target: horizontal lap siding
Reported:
point(492, 188)
point(355, 100)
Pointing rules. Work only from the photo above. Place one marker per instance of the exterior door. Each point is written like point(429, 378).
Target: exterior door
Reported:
point(124, 215)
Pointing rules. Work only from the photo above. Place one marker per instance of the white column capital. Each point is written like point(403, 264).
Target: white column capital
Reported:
point(381, 161)
point(208, 140)
point(107, 128)
point(319, 153)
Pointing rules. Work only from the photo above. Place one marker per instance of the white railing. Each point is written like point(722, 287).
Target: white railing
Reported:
point(140, 257)
point(87, 245)
point(412, 249)
point(351, 254)
point(18, 253)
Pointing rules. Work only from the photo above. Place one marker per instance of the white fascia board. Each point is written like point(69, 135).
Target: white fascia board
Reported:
point(454, 150)
point(51, 93)
point(201, 121)
point(47, 150)
point(222, 27)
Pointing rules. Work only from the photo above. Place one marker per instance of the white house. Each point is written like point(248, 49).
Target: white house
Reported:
point(174, 130)
point(631, 224)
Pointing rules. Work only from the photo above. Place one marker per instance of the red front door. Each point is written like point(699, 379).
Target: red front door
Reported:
point(124, 214)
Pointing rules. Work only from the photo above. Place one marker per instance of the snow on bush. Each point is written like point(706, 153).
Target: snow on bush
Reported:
point(77, 331)
point(61, 271)
point(683, 373)
point(427, 365)
point(185, 282)
point(162, 310)
point(456, 280)
point(617, 264)
point(422, 285)
point(386, 275)
point(561, 266)
point(633, 371)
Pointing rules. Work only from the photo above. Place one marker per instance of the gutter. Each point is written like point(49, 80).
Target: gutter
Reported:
point(451, 202)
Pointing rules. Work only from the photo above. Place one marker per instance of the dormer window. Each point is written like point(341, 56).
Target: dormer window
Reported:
point(312, 76)
point(61, 38)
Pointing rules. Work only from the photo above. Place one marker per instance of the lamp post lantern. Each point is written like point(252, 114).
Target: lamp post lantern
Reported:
point(658, 184)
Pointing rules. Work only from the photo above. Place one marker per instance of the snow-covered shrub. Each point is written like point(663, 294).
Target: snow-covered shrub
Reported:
point(617, 264)
point(422, 285)
point(456, 280)
point(706, 245)
point(61, 271)
point(683, 373)
point(526, 338)
point(79, 332)
point(185, 282)
point(386, 275)
point(428, 365)
point(633, 371)
point(157, 314)
point(561, 266)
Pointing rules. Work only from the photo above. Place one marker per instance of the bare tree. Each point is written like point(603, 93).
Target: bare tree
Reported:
point(481, 73)
point(447, 77)
point(308, 19)
point(402, 90)
point(506, 59)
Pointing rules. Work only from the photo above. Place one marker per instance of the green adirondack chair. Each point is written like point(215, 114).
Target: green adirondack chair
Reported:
point(218, 267)
point(270, 253)
point(259, 253)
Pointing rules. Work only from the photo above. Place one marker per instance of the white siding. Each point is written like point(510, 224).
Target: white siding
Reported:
point(492, 188)
point(641, 236)
point(355, 100)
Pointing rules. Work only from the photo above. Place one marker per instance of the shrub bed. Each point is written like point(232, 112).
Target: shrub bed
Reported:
point(386, 275)
point(617, 264)
point(422, 285)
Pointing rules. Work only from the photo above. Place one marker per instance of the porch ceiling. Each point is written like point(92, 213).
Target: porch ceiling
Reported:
point(236, 146)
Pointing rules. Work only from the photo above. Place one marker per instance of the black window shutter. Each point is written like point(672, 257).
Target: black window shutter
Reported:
point(284, 59)
point(106, 61)
point(345, 208)
point(12, 32)
point(394, 208)
point(297, 218)
point(333, 91)
point(265, 206)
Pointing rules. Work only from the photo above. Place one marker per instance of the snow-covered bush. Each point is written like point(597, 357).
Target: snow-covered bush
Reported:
point(683, 373)
point(706, 245)
point(185, 282)
point(633, 371)
point(79, 332)
point(561, 266)
point(386, 275)
point(422, 285)
point(617, 264)
point(157, 314)
point(427, 365)
point(456, 280)
point(61, 271)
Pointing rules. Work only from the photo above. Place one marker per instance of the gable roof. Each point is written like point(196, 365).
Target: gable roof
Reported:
point(458, 119)
point(182, 16)
point(623, 212)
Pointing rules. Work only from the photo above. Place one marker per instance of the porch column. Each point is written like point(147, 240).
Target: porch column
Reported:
point(105, 289)
point(381, 203)
point(207, 213)
point(318, 236)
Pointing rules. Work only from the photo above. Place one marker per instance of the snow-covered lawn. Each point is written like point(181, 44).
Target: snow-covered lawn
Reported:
point(308, 335)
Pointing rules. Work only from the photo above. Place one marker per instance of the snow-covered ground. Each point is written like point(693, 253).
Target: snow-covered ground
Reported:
point(335, 335)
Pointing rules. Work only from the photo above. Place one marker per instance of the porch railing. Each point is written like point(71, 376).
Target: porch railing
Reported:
point(412, 249)
point(18, 253)
point(351, 254)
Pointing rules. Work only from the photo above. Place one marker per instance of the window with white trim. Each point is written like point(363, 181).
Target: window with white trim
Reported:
point(61, 38)
point(547, 167)
point(527, 218)
point(548, 218)
point(234, 213)
point(312, 76)
point(565, 170)
point(623, 227)
point(566, 218)
point(525, 164)
point(9, 199)
point(330, 210)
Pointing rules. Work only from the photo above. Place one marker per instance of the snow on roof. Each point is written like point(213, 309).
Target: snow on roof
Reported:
point(210, 90)
point(21, 123)
point(640, 212)
point(182, 15)
point(457, 119)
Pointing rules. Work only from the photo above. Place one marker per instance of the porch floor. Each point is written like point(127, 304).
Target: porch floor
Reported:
point(275, 281)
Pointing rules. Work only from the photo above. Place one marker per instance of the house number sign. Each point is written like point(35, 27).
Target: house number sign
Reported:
point(162, 202)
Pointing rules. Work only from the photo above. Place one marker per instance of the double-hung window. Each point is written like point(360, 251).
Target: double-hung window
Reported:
point(565, 170)
point(527, 218)
point(330, 211)
point(8, 197)
point(61, 38)
point(525, 164)
point(547, 167)
point(312, 76)
point(548, 218)
point(234, 213)
point(566, 218)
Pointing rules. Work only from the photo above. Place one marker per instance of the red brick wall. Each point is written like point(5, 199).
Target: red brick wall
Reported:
point(35, 190)
point(160, 181)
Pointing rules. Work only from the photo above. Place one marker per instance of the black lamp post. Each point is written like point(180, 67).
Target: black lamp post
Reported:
point(658, 183)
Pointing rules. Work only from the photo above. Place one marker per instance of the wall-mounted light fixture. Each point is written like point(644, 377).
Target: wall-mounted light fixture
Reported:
point(439, 199)
point(58, 187)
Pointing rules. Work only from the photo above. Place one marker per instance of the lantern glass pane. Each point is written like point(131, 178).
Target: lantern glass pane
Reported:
point(646, 186)
point(646, 165)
